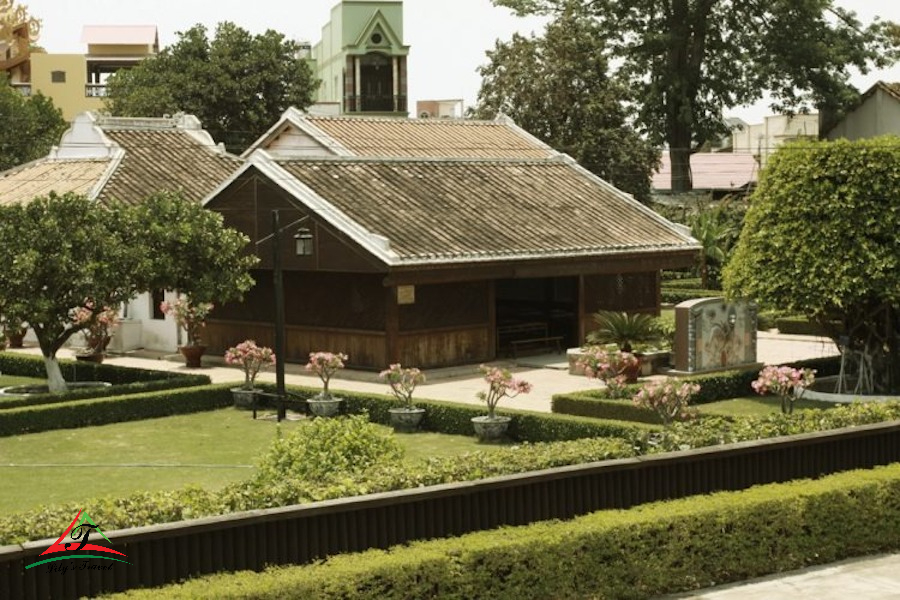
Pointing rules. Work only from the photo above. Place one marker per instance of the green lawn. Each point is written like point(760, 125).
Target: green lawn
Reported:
point(755, 406)
point(209, 449)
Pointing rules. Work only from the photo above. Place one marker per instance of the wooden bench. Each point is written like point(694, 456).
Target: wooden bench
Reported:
point(506, 334)
point(547, 341)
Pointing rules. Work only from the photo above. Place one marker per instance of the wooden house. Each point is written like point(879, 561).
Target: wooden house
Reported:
point(433, 242)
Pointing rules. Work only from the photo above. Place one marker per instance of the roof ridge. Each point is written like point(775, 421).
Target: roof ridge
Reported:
point(450, 120)
point(555, 159)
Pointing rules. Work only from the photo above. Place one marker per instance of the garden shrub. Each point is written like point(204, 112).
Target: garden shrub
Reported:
point(328, 448)
point(114, 409)
point(714, 430)
point(643, 552)
point(683, 283)
point(14, 363)
point(594, 406)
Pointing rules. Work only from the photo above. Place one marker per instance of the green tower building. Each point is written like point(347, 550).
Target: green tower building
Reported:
point(361, 58)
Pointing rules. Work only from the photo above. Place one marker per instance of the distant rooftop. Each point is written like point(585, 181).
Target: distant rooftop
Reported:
point(120, 34)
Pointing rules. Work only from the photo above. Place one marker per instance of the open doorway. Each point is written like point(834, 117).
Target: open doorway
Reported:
point(536, 314)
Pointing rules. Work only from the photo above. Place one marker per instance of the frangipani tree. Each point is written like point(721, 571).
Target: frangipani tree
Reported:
point(58, 254)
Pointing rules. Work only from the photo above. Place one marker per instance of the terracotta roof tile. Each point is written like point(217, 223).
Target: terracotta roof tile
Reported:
point(39, 178)
point(157, 160)
point(430, 138)
point(440, 211)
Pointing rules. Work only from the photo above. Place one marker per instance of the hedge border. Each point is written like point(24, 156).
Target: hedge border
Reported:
point(647, 551)
point(114, 409)
point(713, 388)
point(455, 418)
point(124, 380)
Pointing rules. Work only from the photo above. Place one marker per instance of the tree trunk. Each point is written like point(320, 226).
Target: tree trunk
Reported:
point(55, 380)
point(680, 159)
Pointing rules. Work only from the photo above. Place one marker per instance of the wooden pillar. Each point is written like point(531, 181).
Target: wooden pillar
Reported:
point(492, 318)
point(391, 325)
point(581, 310)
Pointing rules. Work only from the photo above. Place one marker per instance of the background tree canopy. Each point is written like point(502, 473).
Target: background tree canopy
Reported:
point(237, 84)
point(821, 238)
point(688, 60)
point(31, 126)
point(558, 89)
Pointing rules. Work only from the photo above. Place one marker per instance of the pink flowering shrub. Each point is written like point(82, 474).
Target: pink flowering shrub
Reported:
point(251, 358)
point(669, 399)
point(325, 365)
point(97, 325)
point(189, 316)
point(501, 384)
point(403, 382)
point(784, 382)
point(609, 367)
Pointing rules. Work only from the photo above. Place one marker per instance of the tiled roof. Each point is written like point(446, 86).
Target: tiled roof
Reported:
point(157, 160)
point(712, 171)
point(39, 178)
point(430, 138)
point(466, 210)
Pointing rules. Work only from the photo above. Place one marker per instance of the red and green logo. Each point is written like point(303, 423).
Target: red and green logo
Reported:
point(79, 530)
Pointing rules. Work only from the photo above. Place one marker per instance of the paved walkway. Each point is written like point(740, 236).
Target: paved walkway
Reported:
point(868, 578)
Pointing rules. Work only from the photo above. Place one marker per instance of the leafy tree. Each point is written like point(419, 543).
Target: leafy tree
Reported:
point(688, 60)
point(820, 238)
point(60, 253)
point(190, 250)
point(237, 84)
point(558, 89)
point(11, 15)
point(31, 126)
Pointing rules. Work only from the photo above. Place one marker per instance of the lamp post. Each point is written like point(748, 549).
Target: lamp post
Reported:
point(278, 284)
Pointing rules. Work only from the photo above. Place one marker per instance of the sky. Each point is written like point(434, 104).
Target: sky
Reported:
point(447, 40)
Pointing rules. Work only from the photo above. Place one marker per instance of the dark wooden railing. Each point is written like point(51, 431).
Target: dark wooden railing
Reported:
point(165, 553)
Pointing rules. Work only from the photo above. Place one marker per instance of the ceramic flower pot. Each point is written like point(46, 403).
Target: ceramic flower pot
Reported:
point(192, 355)
point(490, 429)
point(243, 398)
point(324, 406)
point(16, 337)
point(94, 357)
point(406, 420)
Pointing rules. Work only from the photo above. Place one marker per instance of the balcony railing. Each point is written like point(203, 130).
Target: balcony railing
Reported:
point(22, 88)
point(371, 103)
point(95, 90)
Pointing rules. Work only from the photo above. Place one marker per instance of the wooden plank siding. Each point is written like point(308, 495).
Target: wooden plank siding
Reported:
point(170, 552)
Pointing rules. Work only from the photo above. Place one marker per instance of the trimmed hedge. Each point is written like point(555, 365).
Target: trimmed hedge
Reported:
point(673, 295)
point(455, 419)
point(685, 283)
point(114, 409)
point(124, 380)
point(721, 385)
point(644, 552)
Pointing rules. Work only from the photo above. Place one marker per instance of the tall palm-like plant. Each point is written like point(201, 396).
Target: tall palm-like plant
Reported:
point(713, 234)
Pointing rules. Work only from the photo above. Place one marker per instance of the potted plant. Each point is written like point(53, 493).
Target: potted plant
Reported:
point(15, 334)
point(191, 317)
point(501, 384)
point(251, 358)
point(614, 368)
point(403, 382)
point(98, 327)
point(786, 382)
point(325, 365)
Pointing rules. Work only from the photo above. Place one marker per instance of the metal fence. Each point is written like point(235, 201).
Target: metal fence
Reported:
point(166, 553)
